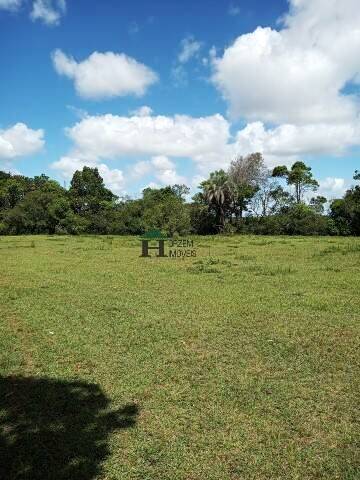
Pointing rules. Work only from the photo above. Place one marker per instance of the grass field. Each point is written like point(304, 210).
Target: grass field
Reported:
point(242, 363)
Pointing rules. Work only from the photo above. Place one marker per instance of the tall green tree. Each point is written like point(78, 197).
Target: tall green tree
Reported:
point(40, 211)
point(88, 193)
point(245, 176)
point(346, 211)
point(264, 200)
point(299, 176)
point(13, 189)
point(165, 209)
point(216, 191)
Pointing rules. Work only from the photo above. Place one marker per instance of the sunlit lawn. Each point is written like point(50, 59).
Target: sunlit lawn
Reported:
point(239, 365)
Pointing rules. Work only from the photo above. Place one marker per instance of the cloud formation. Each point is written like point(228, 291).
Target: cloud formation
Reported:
point(11, 5)
point(206, 141)
point(105, 75)
point(113, 136)
point(19, 141)
point(332, 187)
point(189, 48)
point(48, 11)
point(295, 75)
point(97, 139)
point(289, 85)
point(162, 168)
point(143, 111)
point(292, 140)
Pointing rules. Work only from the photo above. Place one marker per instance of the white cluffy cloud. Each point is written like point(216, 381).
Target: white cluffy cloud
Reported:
point(206, 141)
point(19, 141)
point(48, 11)
point(332, 187)
point(11, 5)
point(291, 140)
point(105, 75)
point(112, 136)
point(161, 167)
point(165, 171)
point(109, 137)
point(295, 75)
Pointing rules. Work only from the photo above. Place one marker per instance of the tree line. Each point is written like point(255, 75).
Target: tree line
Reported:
point(245, 198)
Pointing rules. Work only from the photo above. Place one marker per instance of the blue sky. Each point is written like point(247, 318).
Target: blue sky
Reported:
point(165, 91)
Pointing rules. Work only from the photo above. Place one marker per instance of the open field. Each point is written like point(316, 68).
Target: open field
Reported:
point(239, 365)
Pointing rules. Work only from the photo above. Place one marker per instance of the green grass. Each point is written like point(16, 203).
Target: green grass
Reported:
point(241, 364)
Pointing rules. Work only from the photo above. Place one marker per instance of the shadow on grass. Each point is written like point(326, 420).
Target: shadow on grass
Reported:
point(54, 429)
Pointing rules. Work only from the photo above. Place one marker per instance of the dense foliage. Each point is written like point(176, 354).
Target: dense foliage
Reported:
point(246, 198)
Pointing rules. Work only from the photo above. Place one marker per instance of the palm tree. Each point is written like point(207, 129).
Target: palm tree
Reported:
point(216, 192)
